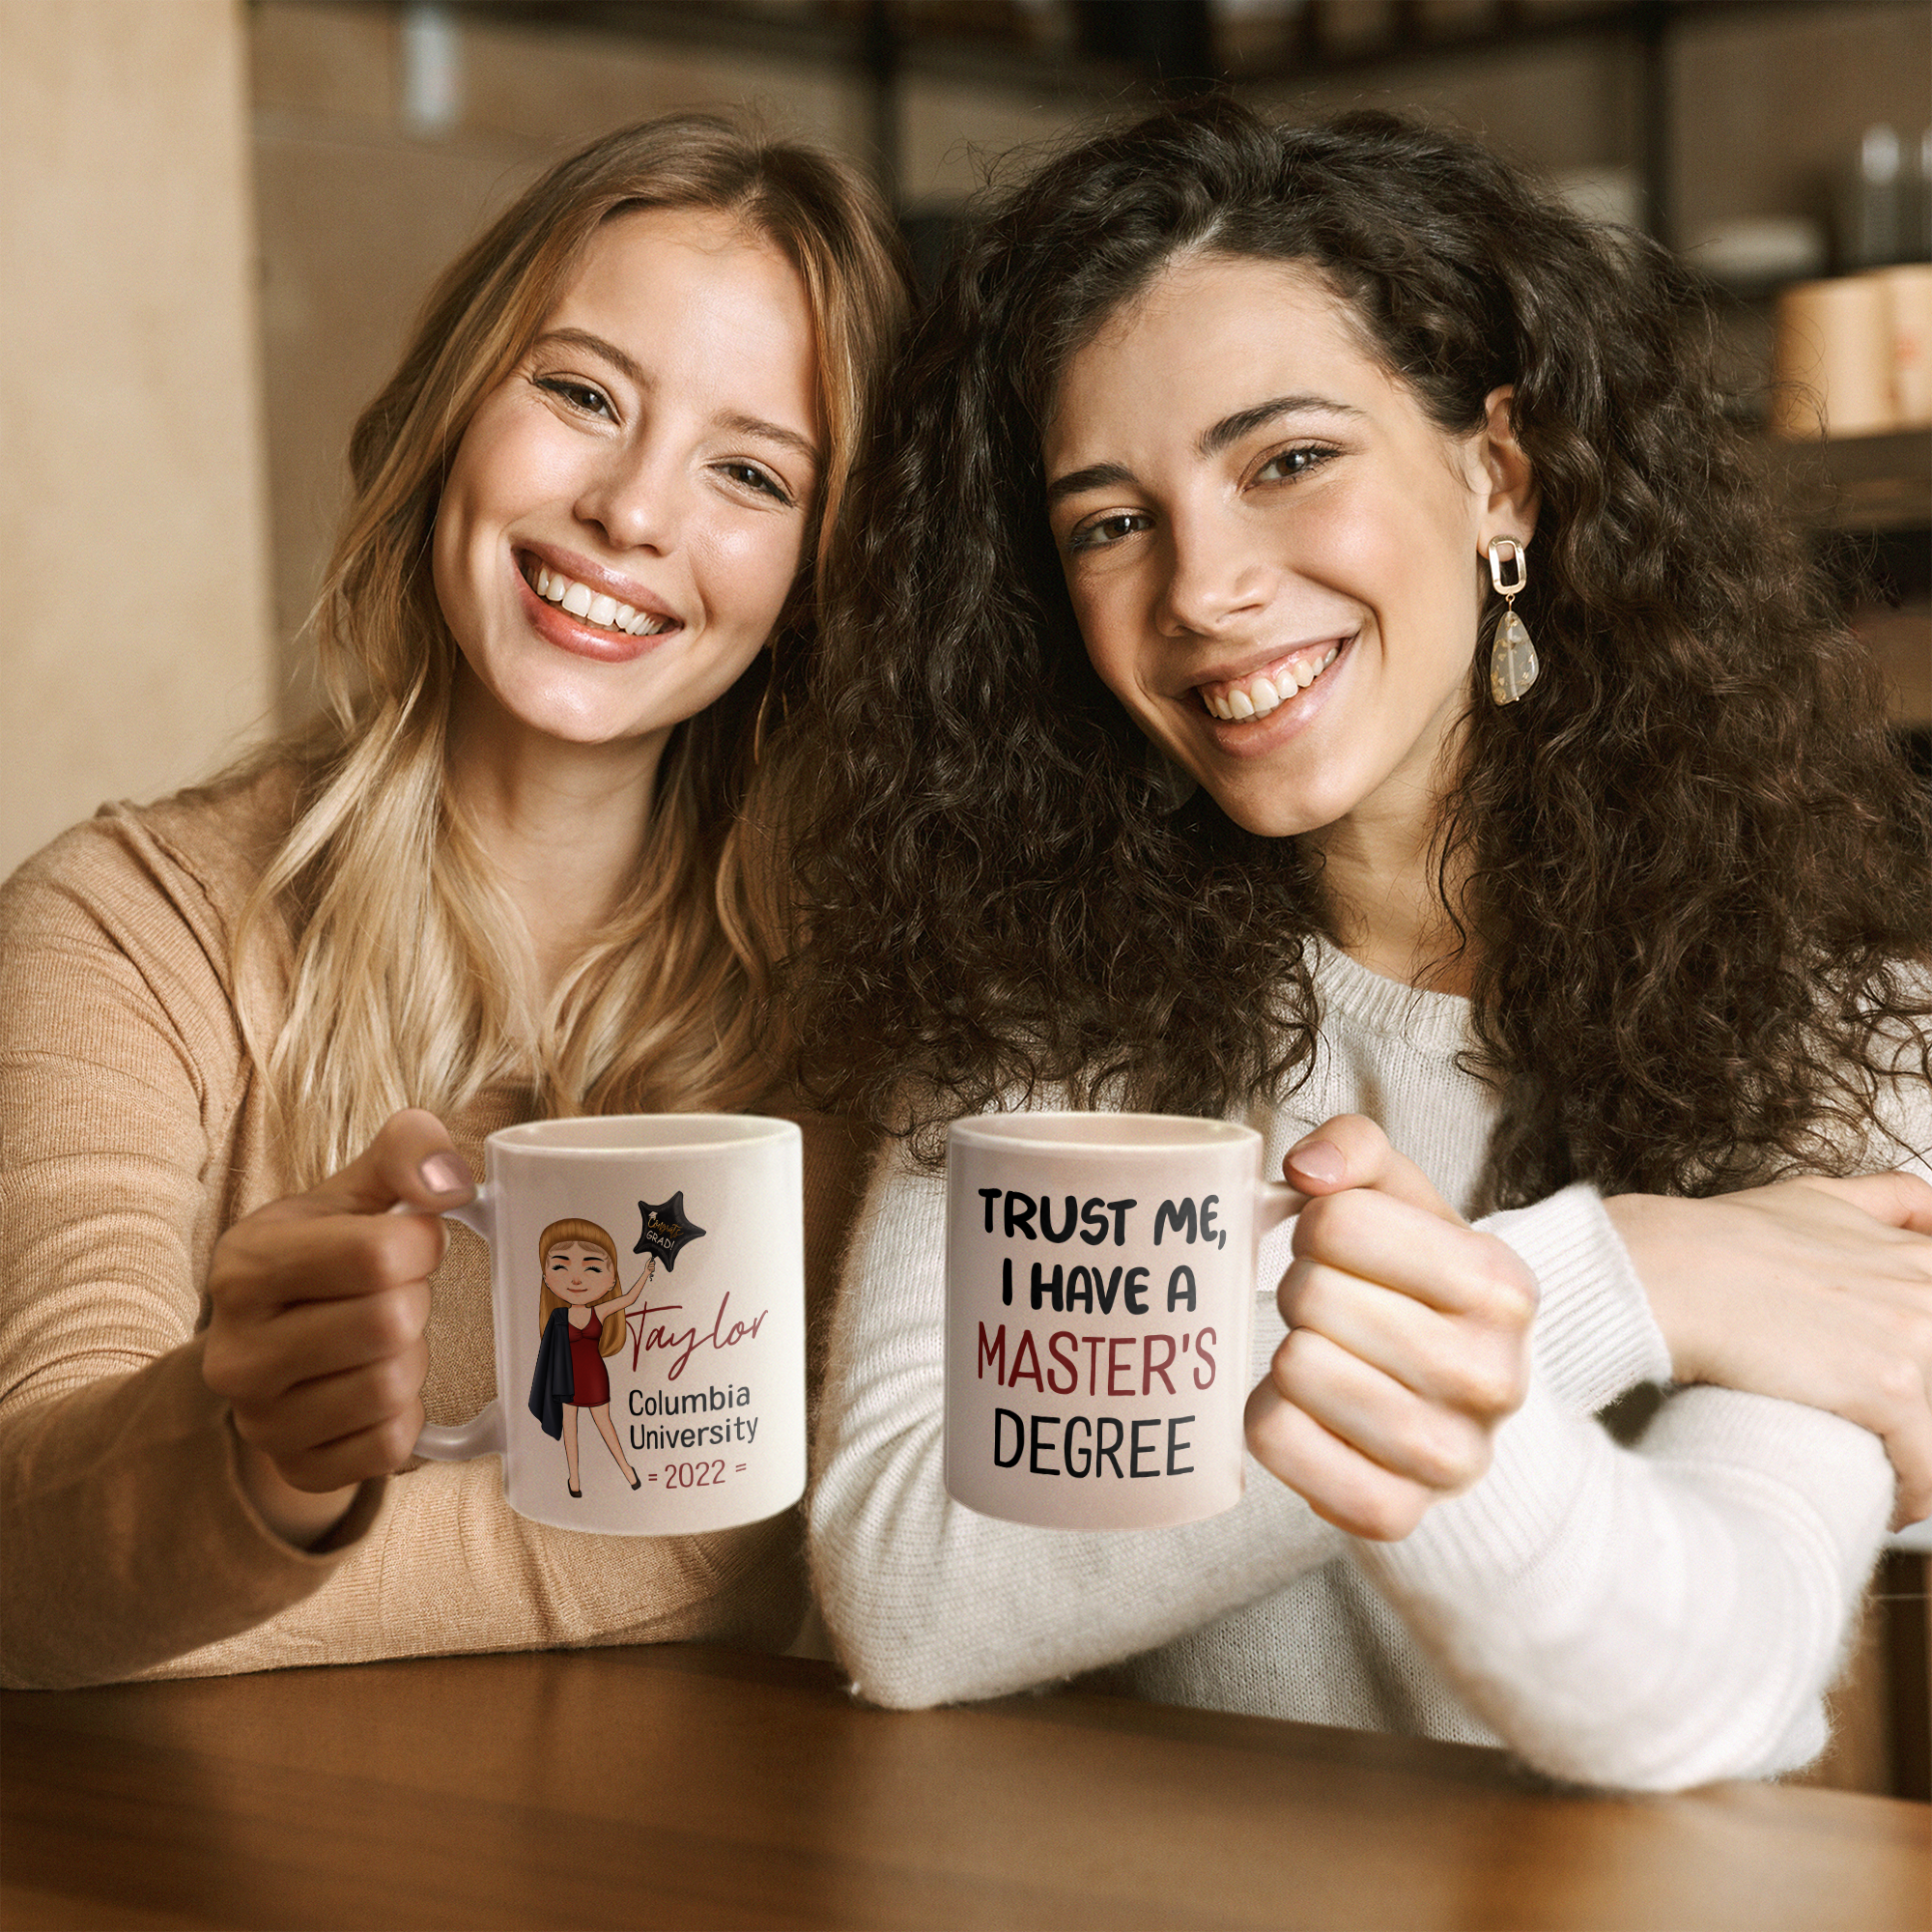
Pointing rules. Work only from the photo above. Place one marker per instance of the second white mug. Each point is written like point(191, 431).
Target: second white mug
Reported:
point(647, 1290)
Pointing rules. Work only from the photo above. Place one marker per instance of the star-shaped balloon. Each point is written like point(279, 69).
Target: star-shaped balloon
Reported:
point(666, 1229)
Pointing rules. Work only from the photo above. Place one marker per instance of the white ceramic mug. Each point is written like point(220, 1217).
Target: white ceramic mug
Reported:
point(1099, 1289)
point(647, 1289)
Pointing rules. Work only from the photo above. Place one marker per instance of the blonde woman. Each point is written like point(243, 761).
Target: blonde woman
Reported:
point(516, 872)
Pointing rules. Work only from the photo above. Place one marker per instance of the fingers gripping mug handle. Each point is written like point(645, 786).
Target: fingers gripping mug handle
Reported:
point(483, 1434)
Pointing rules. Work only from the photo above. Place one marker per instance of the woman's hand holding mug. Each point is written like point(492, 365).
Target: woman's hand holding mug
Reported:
point(315, 1336)
point(1407, 1344)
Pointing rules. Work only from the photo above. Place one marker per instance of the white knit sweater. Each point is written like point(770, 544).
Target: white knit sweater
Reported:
point(1649, 1618)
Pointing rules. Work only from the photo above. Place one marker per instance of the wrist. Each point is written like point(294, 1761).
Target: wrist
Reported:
point(300, 1517)
point(1663, 1256)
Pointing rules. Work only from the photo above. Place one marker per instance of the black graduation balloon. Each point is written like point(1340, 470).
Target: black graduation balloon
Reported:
point(666, 1229)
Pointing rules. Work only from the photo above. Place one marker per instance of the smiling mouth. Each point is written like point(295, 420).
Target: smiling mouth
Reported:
point(1236, 700)
point(590, 607)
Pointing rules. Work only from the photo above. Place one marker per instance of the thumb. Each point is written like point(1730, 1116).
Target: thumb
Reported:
point(412, 1161)
point(1350, 1150)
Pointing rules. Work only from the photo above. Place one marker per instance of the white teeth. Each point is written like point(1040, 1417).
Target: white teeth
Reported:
point(593, 606)
point(1258, 695)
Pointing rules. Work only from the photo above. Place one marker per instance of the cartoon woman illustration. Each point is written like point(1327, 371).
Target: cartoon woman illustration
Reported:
point(580, 1312)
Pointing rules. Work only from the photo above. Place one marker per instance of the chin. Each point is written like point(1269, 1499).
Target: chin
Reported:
point(1272, 816)
point(571, 717)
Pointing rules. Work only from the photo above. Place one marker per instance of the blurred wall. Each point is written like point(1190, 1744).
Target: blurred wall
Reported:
point(136, 655)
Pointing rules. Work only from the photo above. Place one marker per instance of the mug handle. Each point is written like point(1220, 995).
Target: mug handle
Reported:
point(1277, 1202)
point(483, 1434)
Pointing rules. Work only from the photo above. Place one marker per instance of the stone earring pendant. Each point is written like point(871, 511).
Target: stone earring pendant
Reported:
point(1513, 665)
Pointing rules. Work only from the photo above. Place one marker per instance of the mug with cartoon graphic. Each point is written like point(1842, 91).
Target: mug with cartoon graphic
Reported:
point(647, 1272)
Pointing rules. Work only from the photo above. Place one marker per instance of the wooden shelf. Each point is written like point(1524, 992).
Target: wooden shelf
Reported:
point(1870, 499)
point(1862, 483)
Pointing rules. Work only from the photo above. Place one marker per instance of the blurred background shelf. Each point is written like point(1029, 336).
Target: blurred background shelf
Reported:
point(1869, 498)
point(1123, 51)
point(1864, 484)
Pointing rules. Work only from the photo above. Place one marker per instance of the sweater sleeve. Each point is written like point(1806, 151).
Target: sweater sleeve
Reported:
point(1654, 1618)
point(1595, 1335)
point(929, 1602)
point(128, 1538)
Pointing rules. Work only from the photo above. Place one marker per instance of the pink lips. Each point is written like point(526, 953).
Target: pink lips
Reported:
point(556, 626)
point(1256, 737)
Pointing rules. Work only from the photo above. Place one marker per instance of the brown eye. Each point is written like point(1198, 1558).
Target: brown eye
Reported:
point(748, 476)
point(581, 396)
point(1289, 463)
point(1105, 531)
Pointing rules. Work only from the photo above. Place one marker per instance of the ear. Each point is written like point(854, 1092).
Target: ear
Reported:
point(1510, 510)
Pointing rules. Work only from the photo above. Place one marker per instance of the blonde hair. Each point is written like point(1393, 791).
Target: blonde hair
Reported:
point(414, 978)
point(588, 1235)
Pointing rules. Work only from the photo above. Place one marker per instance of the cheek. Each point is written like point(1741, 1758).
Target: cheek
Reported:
point(747, 569)
point(1107, 616)
point(449, 546)
point(465, 516)
point(1413, 570)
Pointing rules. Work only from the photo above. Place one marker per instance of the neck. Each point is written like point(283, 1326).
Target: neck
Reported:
point(1384, 888)
point(561, 824)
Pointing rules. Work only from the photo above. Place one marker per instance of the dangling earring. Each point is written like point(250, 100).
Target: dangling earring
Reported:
point(1513, 665)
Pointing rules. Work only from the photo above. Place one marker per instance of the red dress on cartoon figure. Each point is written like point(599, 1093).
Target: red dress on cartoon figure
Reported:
point(588, 1374)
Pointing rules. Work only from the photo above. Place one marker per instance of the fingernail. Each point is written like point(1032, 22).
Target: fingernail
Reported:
point(444, 1174)
point(1318, 1160)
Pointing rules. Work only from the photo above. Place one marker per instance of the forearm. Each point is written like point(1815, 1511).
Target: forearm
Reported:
point(1655, 1619)
point(129, 1540)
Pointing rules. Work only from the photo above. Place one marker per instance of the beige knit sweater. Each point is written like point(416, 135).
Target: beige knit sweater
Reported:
point(133, 1131)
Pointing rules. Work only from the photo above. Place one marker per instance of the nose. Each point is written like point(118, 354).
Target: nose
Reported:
point(1217, 573)
point(638, 497)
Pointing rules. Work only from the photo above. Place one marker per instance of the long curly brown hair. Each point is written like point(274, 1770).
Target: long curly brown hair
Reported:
point(1697, 879)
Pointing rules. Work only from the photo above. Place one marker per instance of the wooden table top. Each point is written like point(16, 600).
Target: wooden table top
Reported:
point(688, 1786)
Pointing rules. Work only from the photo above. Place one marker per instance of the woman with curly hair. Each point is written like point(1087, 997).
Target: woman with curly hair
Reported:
point(522, 868)
point(1318, 650)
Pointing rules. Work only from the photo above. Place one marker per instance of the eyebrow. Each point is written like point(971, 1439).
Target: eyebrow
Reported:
point(633, 372)
point(1095, 476)
point(771, 432)
point(1230, 430)
point(1258, 416)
